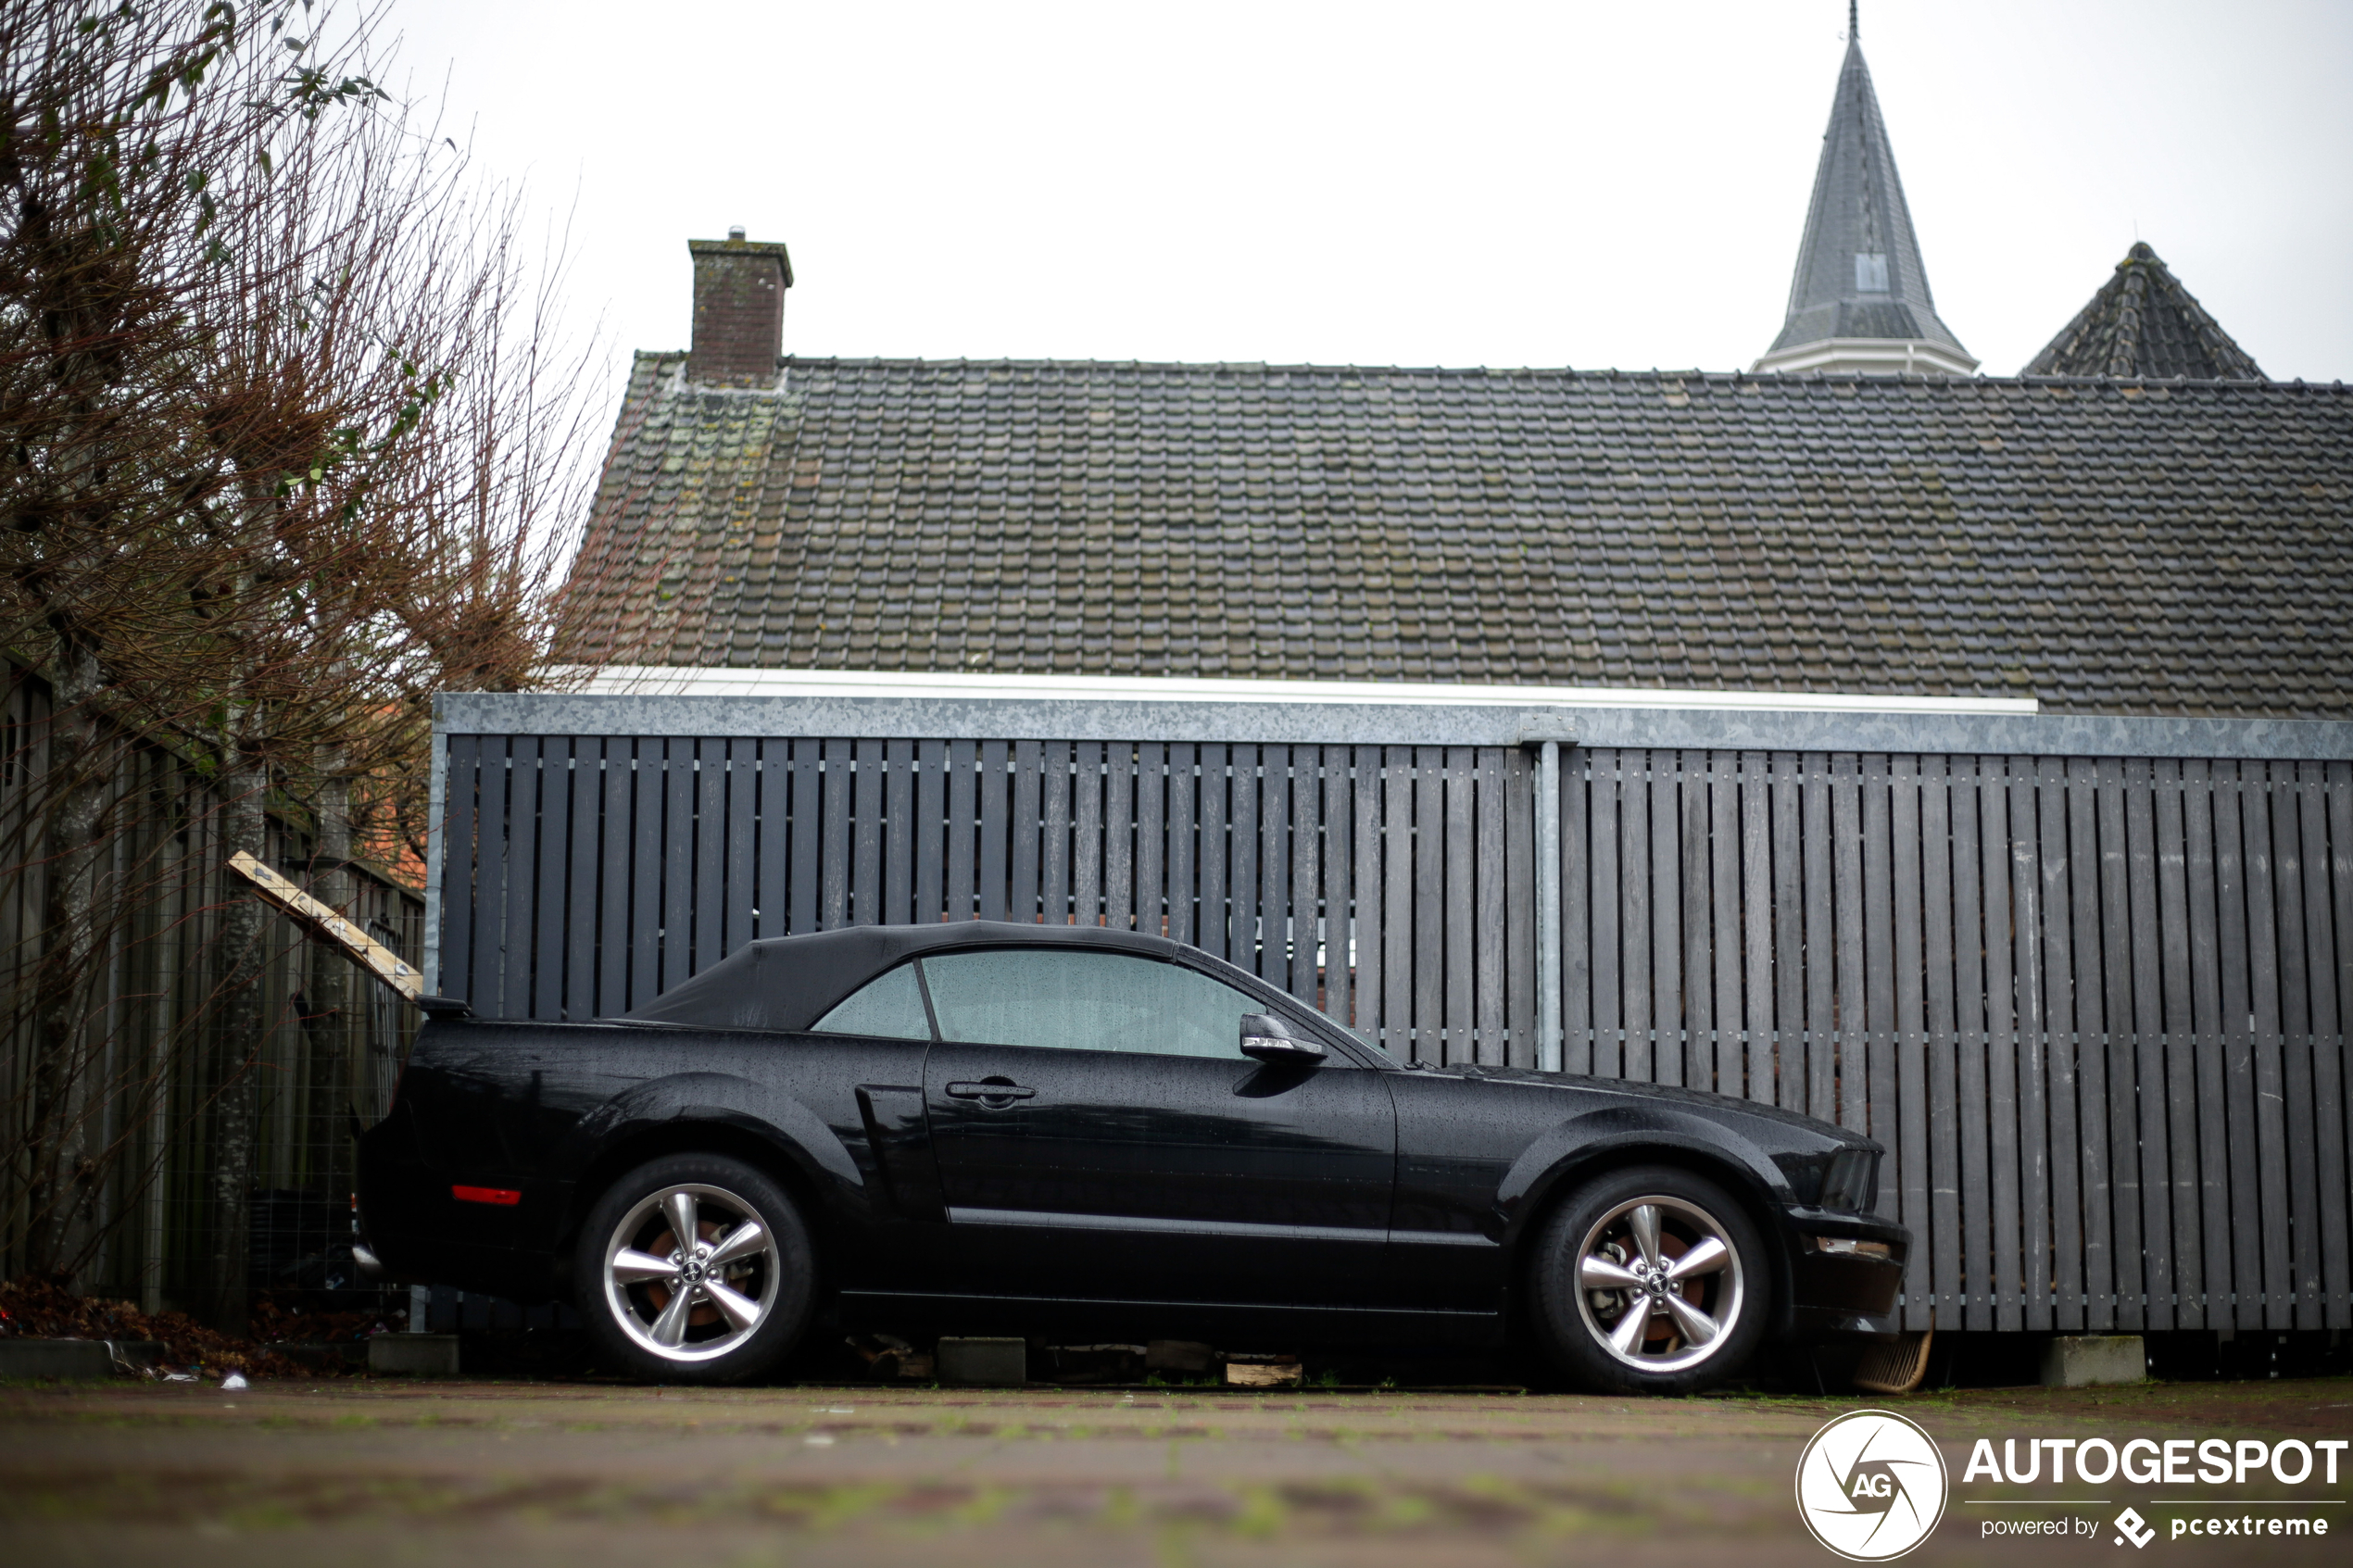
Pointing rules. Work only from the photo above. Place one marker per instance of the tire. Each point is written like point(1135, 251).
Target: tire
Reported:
point(738, 1320)
point(1587, 1330)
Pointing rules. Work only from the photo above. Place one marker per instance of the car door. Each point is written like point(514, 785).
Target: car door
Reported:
point(1099, 1135)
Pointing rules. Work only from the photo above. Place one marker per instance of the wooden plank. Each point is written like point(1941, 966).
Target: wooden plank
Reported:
point(1789, 930)
point(1635, 927)
point(1518, 788)
point(1086, 833)
point(1580, 916)
point(342, 935)
point(1909, 1046)
point(1494, 939)
point(2193, 1058)
point(2277, 1285)
point(808, 831)
point(2326, 1044)
point(1821, 941)
point(1055, 786)
point(930, 833)
point(1184, 795)
point(2002, 919)
point(1214, 927)
point(1368, 922)
point(966, 825)
point(1941, 1028)
point(2217, 1039)
point(1398, 857)
point(1119, 836)
point(1757, 1019)
point(1430, 903)
point(1023, 881)
point(589, 869)
point(1458, 936)
point(551, 899)
point(897, 834)
point(1724, 900)
point(618, 790)
point(2294, 1046)
point(2131, 911)
point(2062, 1126)
point(460, 864)
point(1309, 937)
point(1340, 815)
point(1152, 902)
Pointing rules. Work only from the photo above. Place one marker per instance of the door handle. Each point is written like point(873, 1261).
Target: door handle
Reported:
point(996, 1095)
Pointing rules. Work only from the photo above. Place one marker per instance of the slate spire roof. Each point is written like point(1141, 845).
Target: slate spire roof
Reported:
point(1859, 281)
point(2142, 323)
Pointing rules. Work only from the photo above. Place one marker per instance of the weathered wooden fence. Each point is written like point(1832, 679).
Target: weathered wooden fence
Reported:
point(2094, 1004)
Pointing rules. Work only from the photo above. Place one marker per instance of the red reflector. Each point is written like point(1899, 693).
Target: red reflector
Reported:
point(503, 1197)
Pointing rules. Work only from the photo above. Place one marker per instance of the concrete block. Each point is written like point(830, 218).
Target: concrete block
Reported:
point(1178, 1355)
point(1002, 1364)
point(2080, 1361)
point(55, 1358)
point(414, 1355)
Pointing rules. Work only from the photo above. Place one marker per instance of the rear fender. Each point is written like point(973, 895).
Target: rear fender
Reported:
point(777, 1120)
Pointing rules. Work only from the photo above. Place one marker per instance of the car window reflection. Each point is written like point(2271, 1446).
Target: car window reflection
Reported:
point(1085, 1001)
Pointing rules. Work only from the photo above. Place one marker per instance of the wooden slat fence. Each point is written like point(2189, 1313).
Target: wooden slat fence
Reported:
point(2095, 1007)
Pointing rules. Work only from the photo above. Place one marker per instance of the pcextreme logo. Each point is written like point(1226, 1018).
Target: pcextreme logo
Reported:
point(1871, 1486)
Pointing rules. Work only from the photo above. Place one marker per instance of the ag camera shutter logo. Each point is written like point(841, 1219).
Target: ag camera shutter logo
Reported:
point(1871, 1486)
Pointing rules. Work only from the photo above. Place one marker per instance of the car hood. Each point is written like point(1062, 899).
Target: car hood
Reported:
point(1701, 1100)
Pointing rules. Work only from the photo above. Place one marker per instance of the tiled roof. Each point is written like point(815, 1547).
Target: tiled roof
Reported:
point(2108, 546)
point(2142, 323)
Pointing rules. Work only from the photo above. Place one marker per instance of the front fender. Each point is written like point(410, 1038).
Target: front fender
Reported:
point(1605, 1135)
point(776, 1119)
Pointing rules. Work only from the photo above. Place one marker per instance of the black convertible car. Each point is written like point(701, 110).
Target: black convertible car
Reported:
point(978, 1127)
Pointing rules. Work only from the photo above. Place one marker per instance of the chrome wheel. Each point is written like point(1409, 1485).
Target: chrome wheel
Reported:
point(1659, 1284)
point(690, 1272)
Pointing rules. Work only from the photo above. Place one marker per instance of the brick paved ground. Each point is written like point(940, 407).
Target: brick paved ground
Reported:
point(585, 1474)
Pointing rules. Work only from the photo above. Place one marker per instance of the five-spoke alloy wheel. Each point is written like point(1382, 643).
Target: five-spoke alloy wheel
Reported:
point(1651, 1281)
point(695, 1269)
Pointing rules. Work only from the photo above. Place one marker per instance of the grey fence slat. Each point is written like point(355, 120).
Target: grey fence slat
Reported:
point(773, 854)
point(673, 871)
point(2138, 909)
point(1430, 904)
point(584, 897)
point(1788, 931)
point(1241, 864)
point(518, 930)
point(1265, 910)
point(1183, 815)
point(1086, 833)
point(2296, 1108)
point(2001, 1035)
point(1730, 1075)
point(1909, 1024)
point(742, 843)
point(897, 834)
point(2213, 1048)
point(1055, 783)
point(649, 787)
point(1340, 930)
point(1120, 778)
point(837, 816)
point(710, 862)
point(807, 825)
point(1846, 924)
point(460, 864)
point(1457, 935)
point(1151, 837)
point(1821, 969)
point(2032, 1040)
point(2087, 858)
point(1878, 971)
point(1974, 1045)
point(1600, 989)
point(1517, 789)
point(2277, 1288)
point(616, 789)
point(2194, 1025)
point(2335, 1237)
point(1941, 1027)
point(1494, 939)
point(1214, 928)
point(960, 873)
point(2339, 787)
point(2056, 960)
point(1636, 925)
point(1397, 903)
point(492, 840)
point(1309, 943)
point(1758, 1024)
point(1666, 1020)
point(1368, 926)
point(1694, 788)
point(1025, 883)
point(930, 831)
point(551, 906)
point(2231, 898)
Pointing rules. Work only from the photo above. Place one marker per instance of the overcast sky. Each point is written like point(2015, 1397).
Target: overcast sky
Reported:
point(1568, 184)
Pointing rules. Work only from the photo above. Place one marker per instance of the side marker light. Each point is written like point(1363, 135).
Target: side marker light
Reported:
point(505, 1197)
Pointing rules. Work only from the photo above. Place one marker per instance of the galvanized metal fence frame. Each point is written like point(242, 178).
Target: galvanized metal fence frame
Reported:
point(2086, 978)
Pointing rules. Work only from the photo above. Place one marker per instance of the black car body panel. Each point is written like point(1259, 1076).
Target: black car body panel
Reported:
point(1135, 1191)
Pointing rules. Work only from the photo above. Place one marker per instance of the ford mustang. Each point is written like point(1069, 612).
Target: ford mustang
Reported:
point(980, 1127)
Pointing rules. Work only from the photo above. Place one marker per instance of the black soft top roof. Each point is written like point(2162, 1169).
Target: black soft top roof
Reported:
point(789, 983)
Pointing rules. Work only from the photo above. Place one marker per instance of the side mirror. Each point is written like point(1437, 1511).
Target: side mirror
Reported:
point(1267, 1038)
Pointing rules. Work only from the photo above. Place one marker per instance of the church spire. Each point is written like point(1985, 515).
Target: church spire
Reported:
point(1860, 299)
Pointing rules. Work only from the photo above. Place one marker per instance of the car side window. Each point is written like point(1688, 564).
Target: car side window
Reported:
point(889, 1007)
point(1085, 1001)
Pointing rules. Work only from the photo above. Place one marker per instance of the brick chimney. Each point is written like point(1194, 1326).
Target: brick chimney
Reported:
point(739, 311)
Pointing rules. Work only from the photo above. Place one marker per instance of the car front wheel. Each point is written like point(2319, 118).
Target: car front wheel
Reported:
point(693, 1268)
point(1651, 1281)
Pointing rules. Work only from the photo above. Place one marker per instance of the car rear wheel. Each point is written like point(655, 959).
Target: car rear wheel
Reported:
point(1651, 1280)
point(693, 1268)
